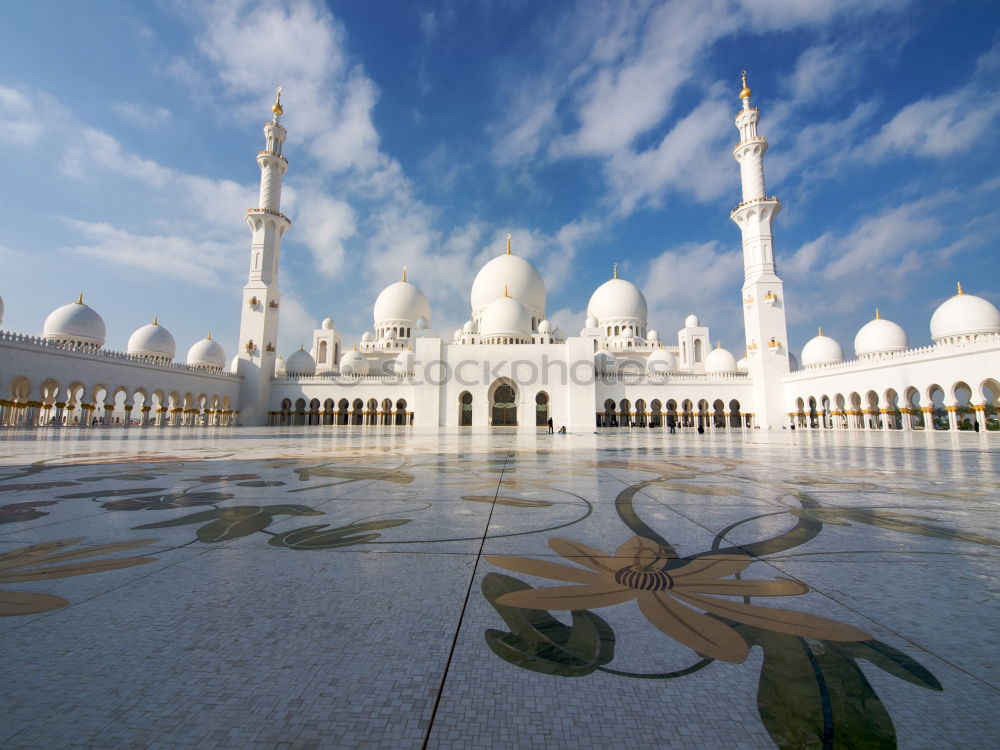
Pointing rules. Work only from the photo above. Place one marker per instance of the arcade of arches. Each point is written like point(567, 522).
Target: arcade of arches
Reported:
point(707, 414)
point(77, 404)
point(933, 407)
point(357, 412)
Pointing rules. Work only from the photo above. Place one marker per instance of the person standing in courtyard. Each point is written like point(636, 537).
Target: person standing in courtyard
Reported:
point(550, 425)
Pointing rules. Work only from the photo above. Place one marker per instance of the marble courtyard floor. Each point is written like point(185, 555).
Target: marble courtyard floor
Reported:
point(322, 587)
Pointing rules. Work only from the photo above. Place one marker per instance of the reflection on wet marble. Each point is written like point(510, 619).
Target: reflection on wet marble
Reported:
point(379, 588)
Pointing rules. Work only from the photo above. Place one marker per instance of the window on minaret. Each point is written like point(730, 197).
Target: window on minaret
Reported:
point(697, 350)
point(322, 351)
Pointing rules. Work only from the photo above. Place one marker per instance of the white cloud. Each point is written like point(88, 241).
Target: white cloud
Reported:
point(938, 126)
point(205, 263)
point(628, 96)
point(95, 149)
point(324, 223)
point(28, 114)
point(872, 263)
point(820, 72)
point(147, 116)
point(788, 14)
point(295, 324)
point(691, 158)
point(693, 277)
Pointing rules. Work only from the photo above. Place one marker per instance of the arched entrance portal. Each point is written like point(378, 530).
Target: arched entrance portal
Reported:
point(504, 405)
point(465, 409)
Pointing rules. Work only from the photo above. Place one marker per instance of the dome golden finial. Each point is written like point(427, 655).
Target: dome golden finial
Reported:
point(277, 108)
point(79, 300)
point(877, 316)
point(156, 322)
point(508, 243)
point(404, 273)
point(505, 292)
point(718, 344)
point(209, 336)
point(960, 288)
point(819, 330)
point(614, 271)
point(745, 93)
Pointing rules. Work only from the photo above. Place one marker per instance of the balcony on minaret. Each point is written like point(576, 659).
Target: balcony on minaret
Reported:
point(275, 154)
point(770, 298)
point(270, 212)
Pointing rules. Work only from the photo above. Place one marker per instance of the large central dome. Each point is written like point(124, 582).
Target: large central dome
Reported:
point(400, 302)
point(515, 275)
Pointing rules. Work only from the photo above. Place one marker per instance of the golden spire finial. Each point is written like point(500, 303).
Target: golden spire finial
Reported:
point(505, 293)
point(404, 273)
point(155, 321)
point(277, 108)
point(745, 93)
point(302, 347)
point(79, 300)
point(614, 271)
point(960, 288)
point(718, 344)
point(877, 316)
point(508, 243)
point(209, 336)
point(819, 330)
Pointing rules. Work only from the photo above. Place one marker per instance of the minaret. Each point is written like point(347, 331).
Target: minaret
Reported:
point(763, 291)
point(261, 298)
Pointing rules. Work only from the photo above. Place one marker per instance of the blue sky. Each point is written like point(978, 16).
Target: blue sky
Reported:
point(421, 132)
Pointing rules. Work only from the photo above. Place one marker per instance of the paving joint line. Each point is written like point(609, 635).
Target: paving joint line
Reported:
point(465, 604)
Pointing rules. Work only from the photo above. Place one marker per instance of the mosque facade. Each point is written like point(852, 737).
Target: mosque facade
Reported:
point(509, 365)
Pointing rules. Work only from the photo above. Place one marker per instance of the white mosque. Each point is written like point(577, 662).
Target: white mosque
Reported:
point(509, 364)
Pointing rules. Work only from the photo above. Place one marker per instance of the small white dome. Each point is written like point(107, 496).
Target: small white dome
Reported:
point(743, 365)
point(720, 360)
point(327, 324)
point(964, 315)
point(390, 335)
point(660, 362)
point(421, 322)
point(878, 336)
point(352, 361)
point(300, 363)
point(75, 323)
point(691, 321)
point(505, 316)
point(605, 361)
point(545, 327)
point(366, 336)
point(558, 334)
point(401, 301)
point(821, 350)
point(513, 275)
point(404, 361)
point(152, 341)
point(458, 334)
point(234, 364)
point(591, 322)
point(617, 299)
point(469, 327)
point(207, 353)
point(652, 335)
